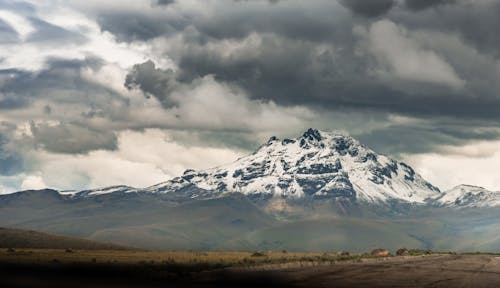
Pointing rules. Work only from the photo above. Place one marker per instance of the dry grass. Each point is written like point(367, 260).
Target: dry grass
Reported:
point(215, 259)
point(157, 268)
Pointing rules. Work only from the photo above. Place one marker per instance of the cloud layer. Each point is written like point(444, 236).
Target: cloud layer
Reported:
point(79, 80)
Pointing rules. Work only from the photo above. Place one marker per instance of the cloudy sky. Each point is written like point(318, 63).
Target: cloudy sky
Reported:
point(96, 93)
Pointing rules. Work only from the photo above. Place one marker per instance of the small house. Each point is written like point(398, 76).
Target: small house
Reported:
point(380, 252)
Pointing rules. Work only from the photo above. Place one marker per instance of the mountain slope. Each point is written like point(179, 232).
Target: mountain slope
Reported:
point(318, 164)
point(469, 196)
point(147, 220)
point(17, 238)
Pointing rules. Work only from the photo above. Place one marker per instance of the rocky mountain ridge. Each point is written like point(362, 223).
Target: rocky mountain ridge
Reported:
point(316, 165)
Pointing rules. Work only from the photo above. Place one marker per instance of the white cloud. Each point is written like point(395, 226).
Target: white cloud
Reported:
point(32, 55)
point(208, 103)
point(142, 159)
point(33, 182)
point(401, 56)
point(473, 164)
point(22, 26)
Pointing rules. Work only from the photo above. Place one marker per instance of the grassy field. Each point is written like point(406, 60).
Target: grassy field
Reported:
point(132, 268)
point(130, 257)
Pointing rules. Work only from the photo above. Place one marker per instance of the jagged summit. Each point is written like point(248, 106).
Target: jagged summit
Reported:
point(313, 136)
point(315, 139)
point(317, 164)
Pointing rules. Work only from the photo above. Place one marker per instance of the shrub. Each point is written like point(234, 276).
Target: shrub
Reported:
point(402, 252)
point(417, 252)
point(258, 254)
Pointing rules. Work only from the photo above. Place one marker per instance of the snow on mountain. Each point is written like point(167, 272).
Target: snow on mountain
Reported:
point(99, 191)
point(469, 196)
point(317, 164)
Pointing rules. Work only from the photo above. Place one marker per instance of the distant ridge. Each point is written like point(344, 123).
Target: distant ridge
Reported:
point(19, 238)
point(469, 196)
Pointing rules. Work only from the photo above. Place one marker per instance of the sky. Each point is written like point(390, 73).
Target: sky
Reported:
point(97, 93)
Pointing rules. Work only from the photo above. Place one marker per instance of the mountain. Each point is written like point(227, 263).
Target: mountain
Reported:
point(319, 165)
point(468, 196)
point(321, 191)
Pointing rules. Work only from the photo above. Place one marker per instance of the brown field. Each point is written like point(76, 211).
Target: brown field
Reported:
point(101, 268)
point(217, 259)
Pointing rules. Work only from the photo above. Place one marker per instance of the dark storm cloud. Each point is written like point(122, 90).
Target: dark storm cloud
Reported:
point(324, 76)
point(61, 83)
point(152, 81)
point(314, 54)
point(424, 4)
point(372, 8)
point(288, 67)
point(472, 21)
point(333, 78)
point(426, 136)
point(164, 2)
point(72, 138)
point(321, 22)
point(61, 80)
point(375, 8)
point(9, 98)
point(232, 19)
point(309, 55)
point(128, 26)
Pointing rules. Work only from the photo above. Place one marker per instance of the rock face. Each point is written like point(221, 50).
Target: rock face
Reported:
point(317, 164)
point(468, 196)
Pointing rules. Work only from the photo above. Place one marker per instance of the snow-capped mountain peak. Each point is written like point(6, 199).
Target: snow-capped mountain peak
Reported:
point(469, 196)
point(317, 164)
